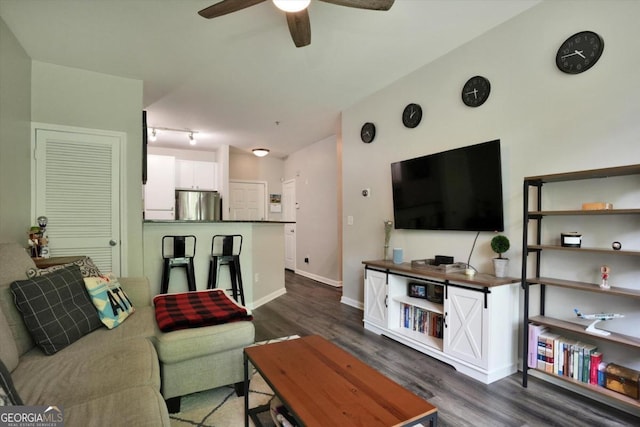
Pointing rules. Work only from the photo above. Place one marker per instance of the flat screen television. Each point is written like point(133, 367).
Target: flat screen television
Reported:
point(459, 189)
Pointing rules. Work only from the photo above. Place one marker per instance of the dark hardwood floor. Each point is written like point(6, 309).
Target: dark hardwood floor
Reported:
point(310, 307)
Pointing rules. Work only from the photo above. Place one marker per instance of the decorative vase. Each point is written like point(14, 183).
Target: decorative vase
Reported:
point(388, 225)
point(500, 266)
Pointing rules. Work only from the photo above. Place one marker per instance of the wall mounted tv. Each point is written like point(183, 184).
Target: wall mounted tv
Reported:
point(459, 189)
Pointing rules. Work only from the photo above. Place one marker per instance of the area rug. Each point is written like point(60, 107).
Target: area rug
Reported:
point(220, 407)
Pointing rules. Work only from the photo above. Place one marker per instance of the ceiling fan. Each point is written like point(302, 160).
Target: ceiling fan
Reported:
point(296, 11)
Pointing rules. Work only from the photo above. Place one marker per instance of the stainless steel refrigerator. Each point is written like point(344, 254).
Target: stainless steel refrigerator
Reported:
point(198, 205)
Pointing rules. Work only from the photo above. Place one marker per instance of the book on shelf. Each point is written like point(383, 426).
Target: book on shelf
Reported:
point(588, 350)
point(534, 331)
point(596, 360)
point(558, 355)
point(421, 320)
point(546, 342)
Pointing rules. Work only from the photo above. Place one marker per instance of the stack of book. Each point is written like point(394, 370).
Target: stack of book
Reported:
point(421, 320)
point(555, 354)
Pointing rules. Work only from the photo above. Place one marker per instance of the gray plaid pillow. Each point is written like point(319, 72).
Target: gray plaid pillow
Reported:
point(8, 394)
point(56, 308)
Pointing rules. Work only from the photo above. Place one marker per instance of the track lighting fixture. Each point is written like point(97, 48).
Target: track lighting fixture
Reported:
point(190, 133)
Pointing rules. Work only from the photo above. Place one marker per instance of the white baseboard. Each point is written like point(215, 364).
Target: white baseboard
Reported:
point(353, 303)
point(330, 282)
point(266, 299)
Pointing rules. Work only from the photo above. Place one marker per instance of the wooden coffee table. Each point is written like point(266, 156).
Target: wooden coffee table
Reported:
point(323, 385)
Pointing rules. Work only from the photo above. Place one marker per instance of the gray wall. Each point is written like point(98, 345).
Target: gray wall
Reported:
point(547, 121)
point(73, 97)
point(15, 123)
point(34, 91)
point(247, 167)
point(315, 169)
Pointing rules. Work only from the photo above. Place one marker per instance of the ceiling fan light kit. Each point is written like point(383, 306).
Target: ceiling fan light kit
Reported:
point(296, 11)
point(291, 5)
point(260, 152)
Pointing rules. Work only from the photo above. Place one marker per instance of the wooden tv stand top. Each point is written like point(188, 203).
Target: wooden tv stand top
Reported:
point(485, 280)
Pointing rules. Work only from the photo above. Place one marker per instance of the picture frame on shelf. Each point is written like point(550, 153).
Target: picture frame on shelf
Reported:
point(417, 290)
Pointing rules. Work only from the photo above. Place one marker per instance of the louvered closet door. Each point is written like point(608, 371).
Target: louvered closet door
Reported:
point(78, 190)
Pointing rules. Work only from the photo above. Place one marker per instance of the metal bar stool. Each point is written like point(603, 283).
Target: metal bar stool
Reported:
point(225, 250)
point(178, 251)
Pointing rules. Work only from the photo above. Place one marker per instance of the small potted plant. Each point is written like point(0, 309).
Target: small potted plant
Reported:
point(500, 244)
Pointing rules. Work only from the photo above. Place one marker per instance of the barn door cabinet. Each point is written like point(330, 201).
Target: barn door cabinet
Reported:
point(547, 290)
point(473, 327)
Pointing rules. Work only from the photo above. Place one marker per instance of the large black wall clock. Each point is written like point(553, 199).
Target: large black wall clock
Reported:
point(476, 91)
point(579, 52)
point(368, 132)
point(412, 115)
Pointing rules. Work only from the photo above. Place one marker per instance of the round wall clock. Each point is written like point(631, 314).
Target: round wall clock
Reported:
point(579, 52)
point(476, 91)
point(368, 132)
point(412, 115)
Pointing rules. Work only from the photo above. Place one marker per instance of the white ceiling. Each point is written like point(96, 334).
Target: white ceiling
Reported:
point(233, 78)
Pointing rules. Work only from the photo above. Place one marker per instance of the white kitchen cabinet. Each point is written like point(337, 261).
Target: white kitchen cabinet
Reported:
point(159, 214)
point(474, 328)
point(159, 191)
point(196, 175)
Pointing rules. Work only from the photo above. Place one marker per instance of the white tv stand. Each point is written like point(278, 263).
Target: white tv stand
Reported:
point(478, 316)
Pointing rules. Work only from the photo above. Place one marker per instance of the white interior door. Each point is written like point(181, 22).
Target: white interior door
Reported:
point(77, 187)
point(248, 200)
point(289, 214)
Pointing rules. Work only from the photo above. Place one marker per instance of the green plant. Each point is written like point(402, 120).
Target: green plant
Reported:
point(500, 244)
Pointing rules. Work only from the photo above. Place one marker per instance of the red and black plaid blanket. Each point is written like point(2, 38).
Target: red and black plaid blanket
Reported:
point(195, 309)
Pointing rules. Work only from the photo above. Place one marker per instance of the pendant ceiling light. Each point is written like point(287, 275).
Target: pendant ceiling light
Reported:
point(291, 5)
point(260, 152)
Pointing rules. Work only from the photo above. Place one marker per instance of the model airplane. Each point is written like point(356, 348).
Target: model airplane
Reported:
point(597, 317)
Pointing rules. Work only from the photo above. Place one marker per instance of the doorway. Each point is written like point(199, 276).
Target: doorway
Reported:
point(247, 200)
point(289, 214)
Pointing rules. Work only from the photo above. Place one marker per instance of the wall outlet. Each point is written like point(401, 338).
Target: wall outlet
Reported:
point(306, 259)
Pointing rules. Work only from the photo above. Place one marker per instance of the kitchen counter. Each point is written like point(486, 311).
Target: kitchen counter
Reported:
point(261, 259)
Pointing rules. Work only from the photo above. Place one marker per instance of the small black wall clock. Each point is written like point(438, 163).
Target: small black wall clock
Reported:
point(368, 132)
point(412, 115)
point(579, 52)
point(476, 91)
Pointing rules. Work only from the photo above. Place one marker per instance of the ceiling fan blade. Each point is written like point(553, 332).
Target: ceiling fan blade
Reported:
point(299, 27)
point(364, 4)
point(226, 6)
